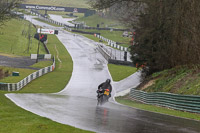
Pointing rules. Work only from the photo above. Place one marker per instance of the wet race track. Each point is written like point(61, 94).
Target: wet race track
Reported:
point(76, 104)
point(111, 118)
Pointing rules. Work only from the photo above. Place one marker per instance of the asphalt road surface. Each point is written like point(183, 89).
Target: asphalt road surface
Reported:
point(17, 62)
point(77, 106)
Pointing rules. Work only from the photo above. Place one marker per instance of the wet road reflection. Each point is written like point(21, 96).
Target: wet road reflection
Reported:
point(83, 113)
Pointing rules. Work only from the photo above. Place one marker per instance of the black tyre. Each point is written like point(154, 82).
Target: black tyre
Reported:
point(105, 98)
point(100, 100)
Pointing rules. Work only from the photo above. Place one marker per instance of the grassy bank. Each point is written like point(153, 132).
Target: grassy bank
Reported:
point(179, 80)
point(126, 101)
point(13, 42)
point(119, 72)
point(93, 20)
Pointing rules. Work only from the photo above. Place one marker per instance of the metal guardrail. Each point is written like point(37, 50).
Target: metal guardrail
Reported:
point(105, 53)
point(112, 43)
point(189, 103)
point(50, 20)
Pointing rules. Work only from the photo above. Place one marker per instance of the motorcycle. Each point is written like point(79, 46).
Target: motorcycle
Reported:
point(103, 96)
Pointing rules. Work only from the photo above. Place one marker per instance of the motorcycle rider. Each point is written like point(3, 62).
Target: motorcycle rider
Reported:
point(103, 86)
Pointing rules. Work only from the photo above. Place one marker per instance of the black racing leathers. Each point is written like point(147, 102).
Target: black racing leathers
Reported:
point(104, 86)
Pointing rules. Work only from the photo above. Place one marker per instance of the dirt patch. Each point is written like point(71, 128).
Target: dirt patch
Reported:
point(182, 82)
point(147, 84)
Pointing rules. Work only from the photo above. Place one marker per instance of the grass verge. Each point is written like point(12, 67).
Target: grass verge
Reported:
point(14, 79)
point(119, 72)
point(126, 101)
point(179, 80)
point(42, 64)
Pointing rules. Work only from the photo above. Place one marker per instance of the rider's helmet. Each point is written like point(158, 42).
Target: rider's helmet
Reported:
point(108, 81)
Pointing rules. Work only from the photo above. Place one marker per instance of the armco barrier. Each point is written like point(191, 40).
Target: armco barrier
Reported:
point(189, 103)
point(28, 79)
point(106, 54)
point(112, 43)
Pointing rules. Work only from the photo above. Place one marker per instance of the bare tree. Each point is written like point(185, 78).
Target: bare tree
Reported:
point(5, 9)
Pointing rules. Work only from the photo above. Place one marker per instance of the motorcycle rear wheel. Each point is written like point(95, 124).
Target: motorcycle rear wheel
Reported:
point(100, 100)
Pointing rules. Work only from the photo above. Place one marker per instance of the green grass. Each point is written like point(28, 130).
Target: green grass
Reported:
point(126, 101)
point(14, 79)
point(13, 42)
point(93, 20)
point(64, 3)
point(42, 64)
point(119, 72)
point(179, 80)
